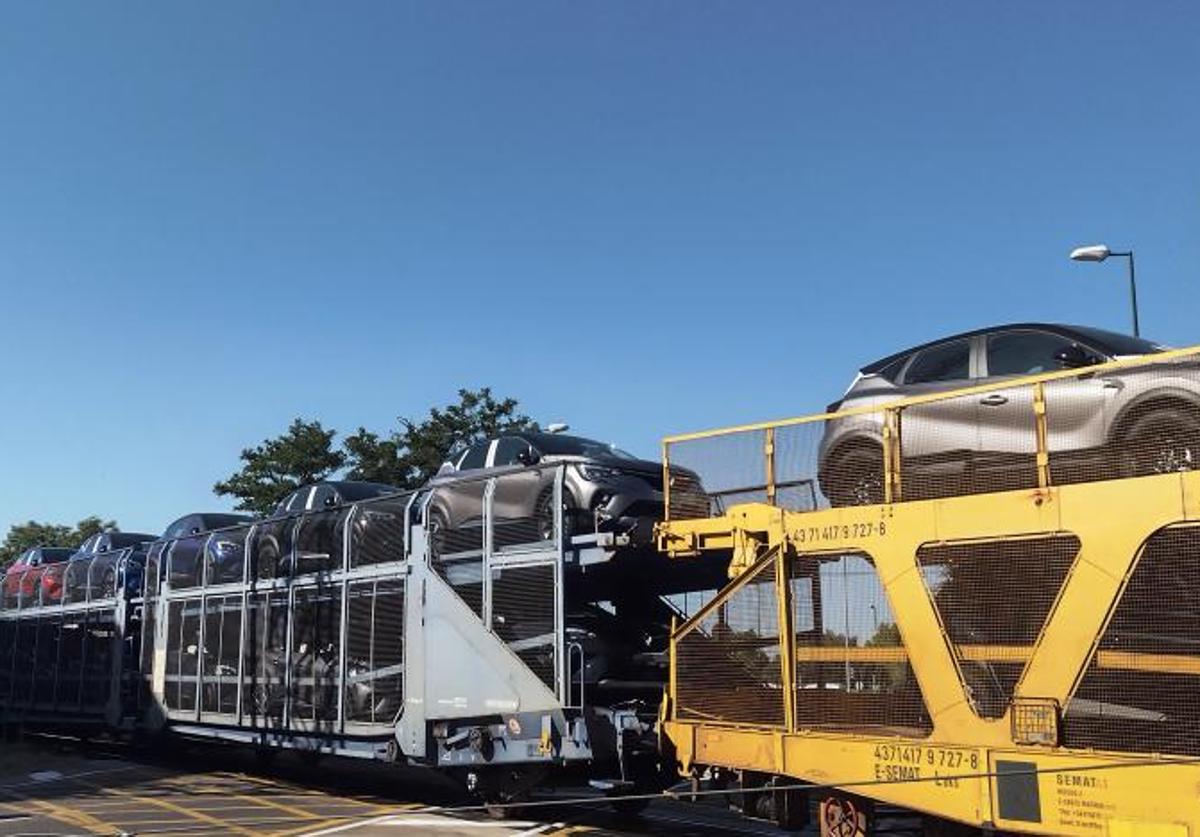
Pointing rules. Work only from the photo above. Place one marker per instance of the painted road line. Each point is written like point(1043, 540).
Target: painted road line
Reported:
point(171, 806)
point(61, 814)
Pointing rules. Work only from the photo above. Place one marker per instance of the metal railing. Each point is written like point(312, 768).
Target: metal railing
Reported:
point(1124, 418)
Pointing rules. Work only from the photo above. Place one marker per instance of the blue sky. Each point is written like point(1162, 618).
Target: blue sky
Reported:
point(641, 218)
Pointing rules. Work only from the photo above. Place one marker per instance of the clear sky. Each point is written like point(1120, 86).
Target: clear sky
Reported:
point(641, 218)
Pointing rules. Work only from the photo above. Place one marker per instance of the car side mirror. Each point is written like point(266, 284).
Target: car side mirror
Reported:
point(528, 456)
point(1074, 357)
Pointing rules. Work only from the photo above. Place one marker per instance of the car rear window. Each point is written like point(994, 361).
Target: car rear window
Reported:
point(947, 362)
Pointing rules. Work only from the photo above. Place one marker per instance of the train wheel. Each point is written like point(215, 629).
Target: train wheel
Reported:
point(841, 816)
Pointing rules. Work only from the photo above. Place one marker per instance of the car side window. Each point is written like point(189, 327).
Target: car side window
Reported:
point(1024, 352)
point(299, 500)
point(508, 448)
point(476, 457)
point(948, 362)
point(323, 498)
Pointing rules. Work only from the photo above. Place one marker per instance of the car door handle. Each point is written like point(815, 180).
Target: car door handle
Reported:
point(993, 400)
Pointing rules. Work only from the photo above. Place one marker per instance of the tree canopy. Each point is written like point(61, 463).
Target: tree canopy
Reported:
point(405, 457)
point(303, 454)
point(22, 536)
point(409, 456)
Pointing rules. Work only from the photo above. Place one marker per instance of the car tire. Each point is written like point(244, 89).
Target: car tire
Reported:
point(545, 514)
point(855, 476)
point(1161, 440)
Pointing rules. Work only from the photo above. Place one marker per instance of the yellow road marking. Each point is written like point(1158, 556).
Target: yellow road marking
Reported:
point(178, 809)
point(65, 815)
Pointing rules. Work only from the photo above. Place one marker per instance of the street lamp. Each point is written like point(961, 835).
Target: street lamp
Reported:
point(1098, 253)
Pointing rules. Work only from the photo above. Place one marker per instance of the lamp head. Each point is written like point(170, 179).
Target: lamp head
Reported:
point(1092, 253)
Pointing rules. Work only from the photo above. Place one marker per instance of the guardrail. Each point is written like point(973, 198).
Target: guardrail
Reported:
point(1119, 419)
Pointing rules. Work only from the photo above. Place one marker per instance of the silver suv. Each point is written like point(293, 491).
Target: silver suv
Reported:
point(1129, 422)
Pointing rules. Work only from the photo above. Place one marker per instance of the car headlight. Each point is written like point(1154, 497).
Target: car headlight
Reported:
point(598, 473)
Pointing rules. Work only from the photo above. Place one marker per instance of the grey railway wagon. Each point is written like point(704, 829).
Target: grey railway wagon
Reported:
point(499, 649)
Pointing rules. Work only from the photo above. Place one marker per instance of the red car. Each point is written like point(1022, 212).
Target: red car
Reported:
point(22, 576)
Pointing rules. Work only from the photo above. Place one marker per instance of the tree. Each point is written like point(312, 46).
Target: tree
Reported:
point(22, 536)
point(278, 466)
point(410, 456)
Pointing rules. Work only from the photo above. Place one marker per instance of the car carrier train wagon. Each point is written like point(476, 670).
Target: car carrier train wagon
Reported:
point(499, 649)
point(1024, 660)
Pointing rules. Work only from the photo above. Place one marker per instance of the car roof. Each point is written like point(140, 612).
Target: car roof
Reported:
point(1093, 336)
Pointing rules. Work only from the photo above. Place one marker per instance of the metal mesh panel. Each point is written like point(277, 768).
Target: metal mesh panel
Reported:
point(1102, 422)
point(733, 471)
point(23, 660)
point(968, 444)
point(185, 562)
point(728, 662)
point(271, 548)
point(454, 519)
point(222, 643)
point(183, 654)
point(316, 646)
point(993, 598)
point(374, 686)
point(852, 667)
point(264, 664)
point(796, 467)
point(102, 575)
point(319, 542)
point(71, 649)
point(523, 508)
point(378, 531)
point(1141, 690)
point(7, 629)
point(97, 669)
point(523, 605)
point(225, 556)
point(46, 658)
point(1132, 422)
point(75, 581)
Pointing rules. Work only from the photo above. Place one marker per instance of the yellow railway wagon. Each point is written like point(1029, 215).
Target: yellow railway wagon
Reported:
point(1025, 660)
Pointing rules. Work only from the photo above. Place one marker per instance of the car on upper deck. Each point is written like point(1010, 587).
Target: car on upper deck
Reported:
point(24, 575)
point(604, 488)
point(1129, 422)
point(329, 493)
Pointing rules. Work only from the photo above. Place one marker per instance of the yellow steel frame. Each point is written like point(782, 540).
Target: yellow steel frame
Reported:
point(892, 413)
point(1081, 792)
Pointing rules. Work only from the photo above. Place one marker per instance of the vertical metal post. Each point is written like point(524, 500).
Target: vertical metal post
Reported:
point(562, 664)
point(769, 454)
point(666, 476)
point(787, 638)
point(1133, 296)
point(672, 685)
point(485, 585)
point(1043, 452)
point(344, 616)
point(891, 455)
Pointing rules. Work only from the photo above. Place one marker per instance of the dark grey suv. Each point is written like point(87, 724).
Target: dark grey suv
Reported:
point(604, 489)
point(1130, 422)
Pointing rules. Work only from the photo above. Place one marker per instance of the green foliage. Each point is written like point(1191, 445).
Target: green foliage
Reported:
point(411, 455)
point(405, 458)
point(22, 536)
point(303, 454)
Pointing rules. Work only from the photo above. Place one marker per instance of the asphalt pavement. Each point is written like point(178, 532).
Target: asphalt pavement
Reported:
point(59, 787)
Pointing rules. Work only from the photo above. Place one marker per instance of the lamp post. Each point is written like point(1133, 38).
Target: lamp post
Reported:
point(1098, 253)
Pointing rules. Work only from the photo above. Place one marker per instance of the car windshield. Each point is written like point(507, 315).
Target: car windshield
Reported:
point(121, 540)
point(1115, 343)
point(559, 445)
point(351, 492)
